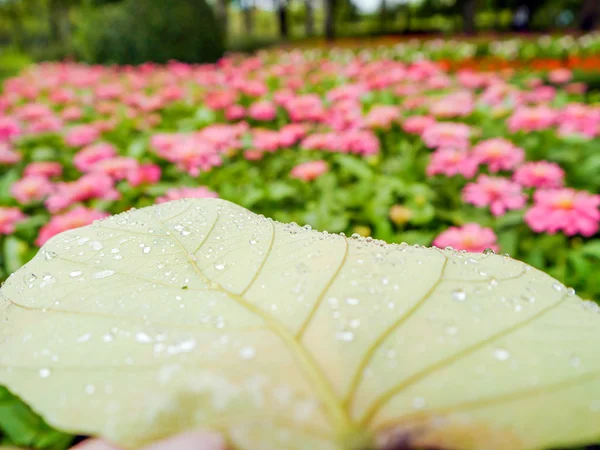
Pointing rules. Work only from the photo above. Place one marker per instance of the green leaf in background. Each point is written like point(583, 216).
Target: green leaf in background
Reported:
point(199, 313)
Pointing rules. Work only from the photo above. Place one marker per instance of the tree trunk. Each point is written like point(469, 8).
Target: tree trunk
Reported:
point(589, 15)
point(383, 16)
point(248, 13)
point(16, 23)
point(222, 17)
point(407, 18)
point(330, 20)
point(469, 10)
point(282, 19)
point(309, 24)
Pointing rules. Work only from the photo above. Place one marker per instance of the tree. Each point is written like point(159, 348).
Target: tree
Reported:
point(589, 15)
point(222, 16)
point(281, 10)
point(248, 16)
point(309, 19)
point(468, 12)
point(12, 11)
point(330, 7)
point(383, 15)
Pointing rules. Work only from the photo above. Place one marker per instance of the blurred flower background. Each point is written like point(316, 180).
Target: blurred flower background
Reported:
point(408, 128)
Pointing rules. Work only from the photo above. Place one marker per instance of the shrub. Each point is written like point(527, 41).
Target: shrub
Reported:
point(138, 31)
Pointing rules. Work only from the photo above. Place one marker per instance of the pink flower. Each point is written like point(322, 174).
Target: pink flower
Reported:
point(77, 217)
point(9, 129)
point(382, 116)
point(89, 186)
point(458, 104)
point(451, 162)
point(31, 189)
point(417, 124)
point(72, 113)
point(192, 153)
point(235, 112)
point(291, 133)
point(117, 168)
point(308, 171)
point(262, 110)
point(8, 156)
point(305, 108)
point(47, 124)
point(9, 218)
point(86, 159)
point(46, 169)
point(144, 174)
point(539, 174)
point(498, 154)
point(573, 212)
point(560, 76)
point(471, 237)
point(531, 118)
point(498, 193)
point(82, 135)
point(447, 134)
point(187, 192)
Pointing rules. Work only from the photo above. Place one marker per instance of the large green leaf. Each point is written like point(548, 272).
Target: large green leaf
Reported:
point(199, 313)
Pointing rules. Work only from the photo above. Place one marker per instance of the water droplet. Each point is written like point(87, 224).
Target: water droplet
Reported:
point(219, 266)
point(247, 352)
point(47, 280)
point(252, 241)
point(575, 360)
point(84, 338)
point(352, 301)
point(346, 336)
point(29, 277)
point(570, 292)
point(418, 402)
point(501, 354)
point(90, 389)
point(50, 255)
point(143, 338)
point(44, 373)
point(146, 250)
point(95, 245)
point(103, 274)
point(75, 273)
point(354, 323)
point(557, 287)
point(459, 295)
point(489, 251)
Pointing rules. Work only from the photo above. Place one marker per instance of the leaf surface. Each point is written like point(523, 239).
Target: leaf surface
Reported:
point(201, 314)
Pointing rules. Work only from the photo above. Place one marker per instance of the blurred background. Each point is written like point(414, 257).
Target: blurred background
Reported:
point(136, 31)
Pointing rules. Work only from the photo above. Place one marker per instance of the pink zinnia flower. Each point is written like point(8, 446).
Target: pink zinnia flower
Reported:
point(305, 108)
point(89, 186)
point(417, 124)
point(31, 189)
point(291, 133)
point(560, 76)
point(458, 104)
point(47, 124)
point(9, 129)
point(82, 135)
point(498, 154)
point(144, 174)
point(187, 192)
point(9, 218)
point(8, 156)
point(77, 217)
point(309, 171)
point(531, 118)
point(471, 237)
point(539, 174)
point(500, 194)
point(382, 116)
point(262, 110)
point(567, 210)
point(86, 159)
point(451, 162)
point(46, 169)
point(235, 112)
point(117, 168)
point(447, 134)
point(72, 113)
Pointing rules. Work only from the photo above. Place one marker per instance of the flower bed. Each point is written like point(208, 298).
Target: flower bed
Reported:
point(344, 141)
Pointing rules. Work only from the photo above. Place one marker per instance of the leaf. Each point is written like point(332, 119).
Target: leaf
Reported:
point(198, 313)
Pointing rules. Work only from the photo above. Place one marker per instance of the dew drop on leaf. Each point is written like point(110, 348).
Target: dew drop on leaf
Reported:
point(501, 354)
point(459, 295)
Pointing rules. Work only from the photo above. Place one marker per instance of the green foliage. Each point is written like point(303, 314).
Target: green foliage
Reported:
point(139, 31)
